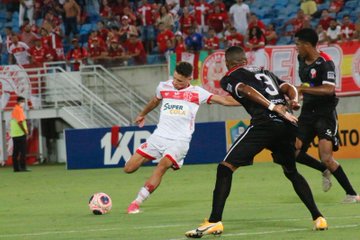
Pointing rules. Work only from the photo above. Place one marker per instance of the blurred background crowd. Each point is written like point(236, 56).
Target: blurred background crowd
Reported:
point(124, 32)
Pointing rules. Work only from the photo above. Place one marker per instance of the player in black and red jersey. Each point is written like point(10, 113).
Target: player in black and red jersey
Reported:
point(318, 114)
point(263, 96)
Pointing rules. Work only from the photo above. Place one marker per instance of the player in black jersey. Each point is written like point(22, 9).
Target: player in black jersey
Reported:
point(272, 127)
point(318, 114)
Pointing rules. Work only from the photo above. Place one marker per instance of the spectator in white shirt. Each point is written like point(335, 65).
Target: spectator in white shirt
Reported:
point(19, 51)
point(334, 32)
point(239, 15)
point(28, 7)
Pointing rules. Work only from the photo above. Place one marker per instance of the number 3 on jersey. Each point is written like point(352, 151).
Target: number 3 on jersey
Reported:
point(271, 87)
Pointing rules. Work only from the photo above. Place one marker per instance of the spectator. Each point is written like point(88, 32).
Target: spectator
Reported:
point(308, 6)
point(325, 19)
point(271, 35)
point(116, 53)
point(179, 45)
point(72, 17)
point(146, 14)
point(165, 17)
point(220, 4)
point(239, 14)
point(1, 49)
point(234, 39)
point(194, 42)
point(113, 34)
point(97, 51)
point(255, 22)
point(26, 6)
point(164, 35)
point(8, 38)
point(297, 22)
point(321, 34)
point(333, 33)
point(18, 52)
point(131, 15)
point(38, 53)
point(186, 21)
point(217, 20)
point(211, 41)
point(347, 29)
point(77, 54)
point(102, 30)
point(202, 9)
point(189, 4)
point(256, 45)
point(135, 49)
point(126, 29)
point(336, 6)
point(357, 28)
point(51, 21)
point(27, 36)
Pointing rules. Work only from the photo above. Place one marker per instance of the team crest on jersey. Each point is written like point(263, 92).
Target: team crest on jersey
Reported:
point(144, 145)
point(313, 73)
point(213, 69)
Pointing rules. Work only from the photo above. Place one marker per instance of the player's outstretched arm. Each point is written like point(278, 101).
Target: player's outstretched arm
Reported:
point(226, 101)
point(152, 104)
point(322, 90)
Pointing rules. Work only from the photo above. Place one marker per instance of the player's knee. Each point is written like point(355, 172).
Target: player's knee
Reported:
point(129, 168)
point(290, 173)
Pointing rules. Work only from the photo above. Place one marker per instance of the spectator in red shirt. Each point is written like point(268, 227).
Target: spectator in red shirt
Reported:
point(347, 29)
point(202, 9)
point(325, 19)
point(297, 22)
point(256, 45)
point(186, 21)
point(234, 39)
point(38, 53)
point(146, 13)
point(135, 49)
point(254, 21)
point(217, 20)
point(116, 51)
point(97, 52)
point(164, 35)
point(211, 41)
point(220, 4)
point(336, 6)
point(179, 45)
point(77, 54)
point(94, 36)
point(271, 35)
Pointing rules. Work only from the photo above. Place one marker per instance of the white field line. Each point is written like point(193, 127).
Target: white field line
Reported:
point(5, 236)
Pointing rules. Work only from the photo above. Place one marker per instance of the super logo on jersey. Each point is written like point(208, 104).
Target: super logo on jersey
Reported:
point(175, 109)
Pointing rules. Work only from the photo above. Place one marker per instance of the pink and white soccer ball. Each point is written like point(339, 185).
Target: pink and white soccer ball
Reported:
point(100, 203)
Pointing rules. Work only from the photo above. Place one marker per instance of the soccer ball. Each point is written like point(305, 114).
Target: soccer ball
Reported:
point(100, 203)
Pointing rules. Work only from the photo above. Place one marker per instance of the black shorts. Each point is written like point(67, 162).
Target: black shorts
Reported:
point(278, 137)
point(324, 126)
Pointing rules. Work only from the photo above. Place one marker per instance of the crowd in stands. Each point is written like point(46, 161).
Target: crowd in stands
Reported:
point(118, 32)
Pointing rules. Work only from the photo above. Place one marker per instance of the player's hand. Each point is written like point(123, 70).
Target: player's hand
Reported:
point(294, 105)
point(140, 120)
point(281, 110)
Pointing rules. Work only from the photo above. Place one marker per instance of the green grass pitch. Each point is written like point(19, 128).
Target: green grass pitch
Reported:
point(51, 203)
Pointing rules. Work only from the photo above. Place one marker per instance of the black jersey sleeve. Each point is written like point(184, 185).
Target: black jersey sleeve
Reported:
point(328, 72)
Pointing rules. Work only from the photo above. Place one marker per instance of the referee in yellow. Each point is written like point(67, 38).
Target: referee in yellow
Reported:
point(18, 132)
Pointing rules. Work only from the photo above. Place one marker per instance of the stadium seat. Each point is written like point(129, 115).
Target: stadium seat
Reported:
point(341, 14)
point(324, 5)
point(85, 29)
point(351, 4)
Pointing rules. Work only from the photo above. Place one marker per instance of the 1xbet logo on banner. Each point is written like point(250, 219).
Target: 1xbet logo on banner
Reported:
point(213, 69)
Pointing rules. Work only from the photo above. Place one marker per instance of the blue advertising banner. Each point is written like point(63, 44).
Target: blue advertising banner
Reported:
point(91, 148)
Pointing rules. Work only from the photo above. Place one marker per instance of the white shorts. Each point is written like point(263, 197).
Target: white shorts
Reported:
point(157, 147)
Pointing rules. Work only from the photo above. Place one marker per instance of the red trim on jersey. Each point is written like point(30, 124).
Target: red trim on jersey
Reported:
point(144, 154)
point(175, 164)
point(209, 99)
point(183, 95)
point(234, 68)
point(325, 56)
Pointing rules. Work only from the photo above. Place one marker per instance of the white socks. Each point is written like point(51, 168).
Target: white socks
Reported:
point(142, 195)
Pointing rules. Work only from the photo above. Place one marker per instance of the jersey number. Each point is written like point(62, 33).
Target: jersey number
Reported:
point(271, 88)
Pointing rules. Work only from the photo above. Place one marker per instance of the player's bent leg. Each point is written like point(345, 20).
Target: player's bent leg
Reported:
point(206, 228)
point(326, 154)
point(134, 163)
point(151, 184)
point(303, 190)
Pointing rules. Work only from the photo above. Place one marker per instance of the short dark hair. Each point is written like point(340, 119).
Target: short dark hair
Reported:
point(20, 99)
point(235, 54)
point(307, 35)
point(184, 68)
